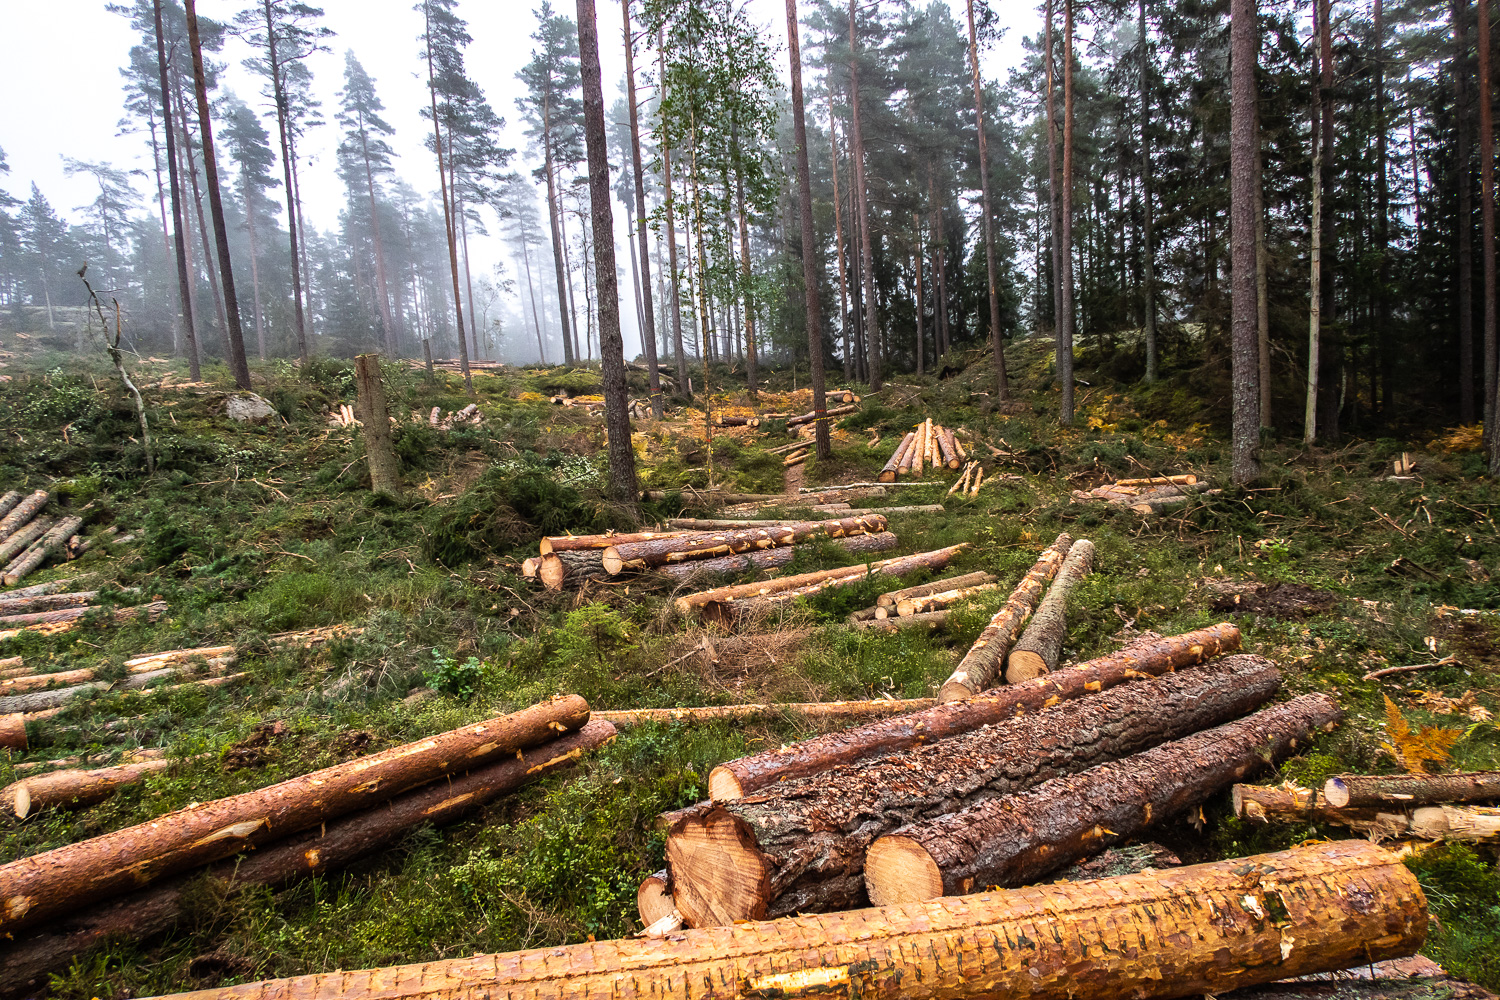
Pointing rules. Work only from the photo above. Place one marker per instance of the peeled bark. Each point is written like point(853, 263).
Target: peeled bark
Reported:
point(893, 467)
point(927, 619)
point(704, 545)
point(945, 446)
point(151, 612)
point(653, 900)
point(327, 848)
point(22, 512)
point(1290, 804)
point(804, 710)
point(30, 682)
point(980, 667)
point(1147, 657)
point(895, 597)
point(882, 541)
point(38, 701)
point(800, 847)
point(50, 545)
point(1019, 839)
point(13, 731)
point(910, 606)
point(380, 451)
point(67, 878)
point(1039, 649)
point(22, 538)
point(1402, 791)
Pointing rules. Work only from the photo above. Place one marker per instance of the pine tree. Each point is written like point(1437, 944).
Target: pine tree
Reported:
point(249, 146)
point(1245, 37)
point(365, 156)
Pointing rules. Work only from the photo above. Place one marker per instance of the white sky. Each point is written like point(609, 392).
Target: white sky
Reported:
point(62, 94)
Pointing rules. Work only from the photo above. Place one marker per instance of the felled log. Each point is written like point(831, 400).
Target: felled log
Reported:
point(57, 881)
point(9, 501)
point(13, 731)
point(150, 612)
point(44, 617)
point(961, 485)
point(571, 566)
point(893, 466)
point(1019, 839)
point(882, 541)
point(327, 848)
point(1403, 791)
point(653, 900)
point(74, 788)
point(980, 667)
point(894, 597)
point(36, 701)
point(22, 512)
point(1183, 480)
point(724, 421)
point(945, 447)
point(30, 682)
point(128, 757)
point(795, 459)
point(569, 543)
point(22, 539)
point(1148, 657)
point(45, 602)
point(1182, 932)
point(704, 545)
point(929, 619)
point(909, 606)
point(809, 710)
point(1291, 804)
point(800, 846)
point(51, 587)
point(811, 415)
point(1039, 649)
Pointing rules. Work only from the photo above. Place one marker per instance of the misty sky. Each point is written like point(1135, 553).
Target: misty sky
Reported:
point(61, 82)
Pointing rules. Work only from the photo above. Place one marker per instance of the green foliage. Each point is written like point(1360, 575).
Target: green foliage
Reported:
point(594, 634)
point(505, 507)
point(450, 676)
point(1463, 892)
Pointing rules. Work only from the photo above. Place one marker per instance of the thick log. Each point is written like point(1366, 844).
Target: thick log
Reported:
point(9, 502)
point(151, 612)
point(13, 731)
point(894, 597)
point(22, 539)
point(45, 548)
point(22, 512)
point(51, 587)
point(707, 544)
point(811, 415)
point(945, 448)
point(1039, 649)
point(1019, 839)
point(1148, 657)
point(45, 602)
point(909, 606)
point(57, 881)
point(807, 710)
point(930, 619)
point(37, 701)
point(571, 567)
point(1201, 929)
point(980, 667)
point(44, 617)
point(328, 848)
point(1291, 804)
point(74, 788)
point(568, 543)
point(800, 846)
point(892, 467)
point(882, 541)
point(653, 900)
point(724, 421)
point(1403, 791)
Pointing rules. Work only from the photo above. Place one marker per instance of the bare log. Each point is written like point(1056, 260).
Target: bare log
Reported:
point(1018, 840)
point(653, 900)
point(31, 682)
point(980, 667)
point(893, 466)
point(1184, 480)
point(795, 459)
point(48, 546)
point(45, 602)
point(9, 502)
point(568, 543)
point(1403, 791)
point(327, 848)
point(13, 731)
point(909, 606)
point(22, 512)
point(18, 543)
point(811, 415)
point(945, 448)
point(1039, 649)
point(894, 597)
point(150, 612)
point(800, 846)
point(1147, 657)
point(882, 541)
point(46, 885)
point(929, 619)
point(809, 710)
point(37, 701)
point(52, 587)
point(707, 544)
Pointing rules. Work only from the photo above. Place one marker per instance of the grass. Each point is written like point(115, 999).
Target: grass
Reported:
point(251, 530)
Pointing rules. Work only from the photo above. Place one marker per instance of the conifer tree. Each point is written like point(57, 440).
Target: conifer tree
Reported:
point(365, 157)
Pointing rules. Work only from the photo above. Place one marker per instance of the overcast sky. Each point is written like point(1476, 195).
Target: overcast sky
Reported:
point(63, 96)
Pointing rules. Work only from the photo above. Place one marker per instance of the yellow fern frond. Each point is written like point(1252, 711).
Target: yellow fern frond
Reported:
point(1416, 749)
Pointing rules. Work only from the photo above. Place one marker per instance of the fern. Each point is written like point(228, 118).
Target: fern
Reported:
point(1415, 749)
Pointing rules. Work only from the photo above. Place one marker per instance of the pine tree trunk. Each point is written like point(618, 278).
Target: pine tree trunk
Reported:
point(179, 242)
point(648, 306)
point(1487, 233)
point(871, 338)
point(752, 359)
point(1148, 247)
point(449, 205)
point(380, 451)
point(202, 222)
point(553, 213)
point(1244, 181)
point(838, 239)
point(278, 93)
point(1315, 256)
point(1039, 649)
point(1331, 355)
point(1065, 328)
point(1464, 182)
point(997, 336)
point(1262, 287)
point(674, 276)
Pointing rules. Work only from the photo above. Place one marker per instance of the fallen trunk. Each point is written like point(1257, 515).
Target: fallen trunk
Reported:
point(22, 512)
point(1147, 657)
point(1184, 480)
point(74, 788)
point(706, 544)
point(37, 701)
point(48, 546)
point(13, 731)
point(9, 501)
point(800, 846)
point(689, 524)
point(1019, 839)
point(909, 606)
point(945, 448)
point(980, 667)
point(882, 541)
point(45, 602)
point(811, 415)
point(13, 546)
point(340, 842)
point(1402, 791)
point(151, 612)
point(893, 466)
point(653, 900)
point(891, 598)
point(57, 881)
point(874, 708)
point(569, 543)
point(44, 617)
point(30, 682)
point(1291, 804)
point(571, 567)
point(724, 421)
point(929, 619)
point(1039, 649)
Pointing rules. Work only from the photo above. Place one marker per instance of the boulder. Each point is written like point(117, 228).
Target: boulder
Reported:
point(247, 407)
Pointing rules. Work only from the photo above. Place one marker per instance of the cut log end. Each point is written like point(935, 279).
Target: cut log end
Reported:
point(1335, 793)
point(1023, 666)
point(718, 875)
point(723, 785)
point(612, 562)
point(552, 572)
point(653, 899)
point(16, 800)
point(899, 870)
point(888, 477)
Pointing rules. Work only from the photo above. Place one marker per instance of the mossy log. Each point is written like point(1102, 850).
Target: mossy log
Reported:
point(1039, 649)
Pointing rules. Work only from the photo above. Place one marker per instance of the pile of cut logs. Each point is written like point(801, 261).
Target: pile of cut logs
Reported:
point(1146, 496)
point(1385, 807)
point(43, 609)
point(28, 539)
point(926, 605)
point(138, 881)
point(931, 445)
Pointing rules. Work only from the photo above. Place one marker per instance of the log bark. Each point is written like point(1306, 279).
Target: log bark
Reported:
point(51, 587)
point(9, 501)
point(653, 900)
point(74, 788)
point(23, 537)
point(808, 710)
point(1019, 839)
point(1200, 929)
point(214, 655)
point(571, 567)
point(909, 606)
point(48, 546)
point(1291, 804)
point(1039, 649)
point(882, 541)
point(811, 415)
point(22, 512)
point(1148, 657)
point(800, 847)
point(894, 597)
point(893, 466)
point(946, 449)
point(55, 882)
point(980, 667)
point(707, 544)
point(380, 451)
point(44, 617)
point(30, 682)
point(930, 619)
point(140, 915)
point(37, 701)
point(151, 612)
point(13, 731)
point(1184, 480)
point(45, 602)
point(568, 543)
point(1403, 791)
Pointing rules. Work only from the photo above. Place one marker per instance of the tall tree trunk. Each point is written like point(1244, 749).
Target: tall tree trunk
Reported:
point(838, 240)
point(635, 270)
point(203, 238)
point(1463, 180)
point(381, 287)
point(570, 303)
point(997, 336)
point(940, 306)
point(1331, 355)
point(448, 206)
point(1244, 33)
point(751, 358)
point(463, 224)
point(1262, 290)
point(862, 192)
point(810, 269)
point(1148, 248)
point(673, 277)
point(260, 313)
point(916, 221)
point(1487, 232)
point(179, 210)
point(237, 363)
point(553, 212)
point(1315, 254)
point(536, 320)
point(307, 272)
point(1382, 210)
point(1065, 253)
point(283, 132)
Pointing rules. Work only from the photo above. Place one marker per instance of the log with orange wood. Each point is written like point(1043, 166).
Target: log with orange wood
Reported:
point(1201, 929)
point(893, 466)
point(813, 711)
point(882, 541)
point(55, 882)
point(1148, 656)
point(1289, 803)
point(1039, 649)
point(74, 788)
point(799, 846)
point(811, 415)
point(50, 544)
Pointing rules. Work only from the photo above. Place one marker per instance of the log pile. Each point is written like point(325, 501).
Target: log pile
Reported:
point(926, 598)
point(30, 539)
point(67, 619)
point(928, 446)
point(1146, 496)
point(1432, 807)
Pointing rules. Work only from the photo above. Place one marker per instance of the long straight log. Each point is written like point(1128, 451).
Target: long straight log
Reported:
point(9, 502)
point(1018, 840)
point(1201, 929)
point(150, 612)
point(569, 543)
point(328, 848)
point(1039, 649)
point(22, 512)
point(882, 541)
point(1403, 791)
point(894, 597)
point(800, 846)
point(30, 682)
point(44, 617)
point(808, 710)
point(980, 667)
point(1147, 657)
point(22, 539)
point(74, 788)
point(707, 544)
point(46, 885)
point(45, 602)
point(51, 587)
point(929, 619)
point(909, 606)
point(946, 450)
point(48, 546)
point(1184, 480)
point(731, 523)
point(36, 701)
point(1291, 804)
point(811, 415)
point(893, 465)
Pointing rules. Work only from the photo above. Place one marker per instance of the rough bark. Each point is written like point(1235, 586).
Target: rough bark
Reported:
point(1148, 250)
point(1147, 657)
point(9, 502)
point(893, 467)
point(21, 539)
point(807, 710)
point(66, 878)
point(151, 612)
point(945, 447)
point(980, 667)
point(328, 848)
point(703, 545)
point(23, 511)
point(1039, 649)
point(571, 567)
point(909, 606)
point(800, 847)
point(653, 900)
point(882, 541)
point(48, 546)
point(823, 418)
point(565, 543)
point(385, 470)
point(1487, 235)
point(37, 701)
point(13, 731)
point(892, 598)
point(929, 619)
point(1018, 840)
point(874, 352)
point(1402, 791)
point(1065, 329)
point(74, 788)
point(1244, 32)
point(1463, 181)
point(997, 336)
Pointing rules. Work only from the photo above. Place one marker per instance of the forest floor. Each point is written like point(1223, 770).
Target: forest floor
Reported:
point(247, 530)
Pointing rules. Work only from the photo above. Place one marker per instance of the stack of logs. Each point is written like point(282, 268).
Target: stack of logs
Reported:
point(1146, 496)
point(1429, 807)
point(996, 790)
point(925, 605)
point(930, 445)
point(139, 881)
point(42, 609)
point(29, 539)
point(571, 560)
